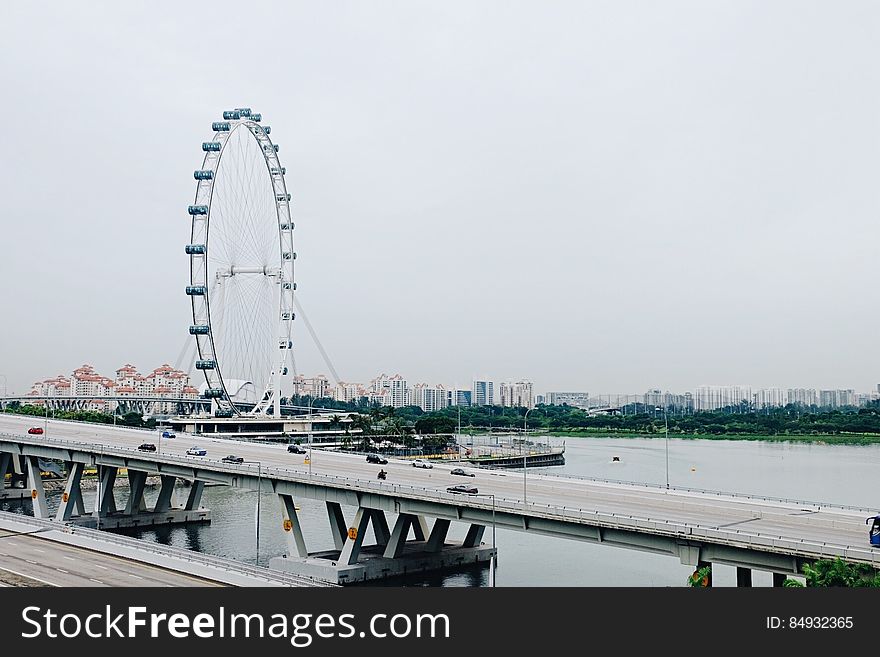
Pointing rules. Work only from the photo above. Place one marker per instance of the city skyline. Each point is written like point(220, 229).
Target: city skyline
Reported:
point(687, 215)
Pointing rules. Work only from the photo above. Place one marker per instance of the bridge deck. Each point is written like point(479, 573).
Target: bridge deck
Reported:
point(554, 505)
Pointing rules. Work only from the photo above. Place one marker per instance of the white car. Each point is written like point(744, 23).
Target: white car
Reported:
point(197, 451)
point(419, 463)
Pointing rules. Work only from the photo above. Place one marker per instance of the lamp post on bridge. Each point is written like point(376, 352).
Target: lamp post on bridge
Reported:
point(494, 549)
point(523, 447)
point(311, 399)
point(666, 433)
point(259, 498)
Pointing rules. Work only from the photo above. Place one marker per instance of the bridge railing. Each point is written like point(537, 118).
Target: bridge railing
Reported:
point(200, 558)
point(606, 519)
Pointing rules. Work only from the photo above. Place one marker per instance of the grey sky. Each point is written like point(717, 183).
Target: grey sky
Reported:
point(603, 196)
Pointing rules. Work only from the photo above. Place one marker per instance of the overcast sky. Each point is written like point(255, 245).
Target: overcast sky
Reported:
point(600, 196)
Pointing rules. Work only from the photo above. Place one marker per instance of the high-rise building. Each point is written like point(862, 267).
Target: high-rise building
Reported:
point(517, 394)
point(458, 397)
point(802, 396)
point(483, 393)
point(398, 389)
point(579, 399)
point(770, 398)
point(429, 398)
point(710, 398)
point(836, 398)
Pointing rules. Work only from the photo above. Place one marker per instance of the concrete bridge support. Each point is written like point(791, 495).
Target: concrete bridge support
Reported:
point(12, 466)
point(393, 552)
point(38, 493)
point(71, 498)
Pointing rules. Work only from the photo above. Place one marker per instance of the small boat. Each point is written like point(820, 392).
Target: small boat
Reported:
point(615, 459)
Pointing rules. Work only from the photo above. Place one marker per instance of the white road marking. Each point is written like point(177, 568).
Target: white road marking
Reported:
point(9, 570)
point(61, 570)
point(100, 566)
point(135, 576)
point(97, 581)
point(11, 543)
point(31, 561)
point(39, 550)
point(69, 558)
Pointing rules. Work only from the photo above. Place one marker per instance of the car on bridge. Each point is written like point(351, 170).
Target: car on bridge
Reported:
point(232, 458)
point(462, 488)
point(169, 434)
point(461, 473)
point(419, 463)
point(147, 447)
point(35, 430)
point(295, 449)
point(196, 451)
point(375, 458)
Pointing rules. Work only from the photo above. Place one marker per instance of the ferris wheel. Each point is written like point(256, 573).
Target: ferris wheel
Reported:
point(241, 268)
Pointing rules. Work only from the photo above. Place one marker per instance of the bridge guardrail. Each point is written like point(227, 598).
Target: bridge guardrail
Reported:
point(221, 563)
point(607, 519)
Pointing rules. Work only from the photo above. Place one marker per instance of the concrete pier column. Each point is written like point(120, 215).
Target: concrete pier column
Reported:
point(420, 528)
point(38, 493)
point(380, 527)
point(397, 540)
point(337, 524)
point(194, 499)
point(779, 579)
point(293, 534)
point(71, 498)
point(474, 536)
point(5, 464)
point(743, 576)
point(136, 482)
point(106, 502)
point(438, 535)
point(352, 548)
point(165, 501)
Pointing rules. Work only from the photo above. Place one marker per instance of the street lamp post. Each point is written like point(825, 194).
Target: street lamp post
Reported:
point(310, 435)
point(494, 549)
point(666, 433)
point(259, 498)
point(523, 446)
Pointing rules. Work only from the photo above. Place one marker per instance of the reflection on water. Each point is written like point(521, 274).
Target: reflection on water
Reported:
point(841, 474)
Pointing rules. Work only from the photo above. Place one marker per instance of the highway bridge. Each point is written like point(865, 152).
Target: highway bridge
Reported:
point(697, 527)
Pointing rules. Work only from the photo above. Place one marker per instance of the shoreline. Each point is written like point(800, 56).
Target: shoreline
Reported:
point(814, 439)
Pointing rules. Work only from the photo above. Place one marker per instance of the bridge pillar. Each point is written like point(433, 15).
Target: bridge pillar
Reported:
point(397, 539)
point(474, 536)
point(779, 579)
point(743, 576)
point(136, 482)
point(380, 527)
point(296, 542)
point(105, 502)
point(352, 548)
point(337, 524)
point(420, 528)
point(165, 501)
point(71, 498)
point(438, 535)
point(194, 499)
point(5, 462)
point(38, 493)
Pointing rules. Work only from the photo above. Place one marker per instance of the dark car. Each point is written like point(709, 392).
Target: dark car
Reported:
point(232, 459)
point(295, 449)
point(461, 488)
point(375, 458)
point(147, 447)
point(461, 473)
point(35, 430)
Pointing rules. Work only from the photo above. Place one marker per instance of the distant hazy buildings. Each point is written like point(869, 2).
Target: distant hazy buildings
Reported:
point(579, 399)
point(483, 393)
point(710, 398)
point(162, 382)
point(517, 394)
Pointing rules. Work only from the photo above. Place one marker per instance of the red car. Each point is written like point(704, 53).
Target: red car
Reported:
point(35, 430)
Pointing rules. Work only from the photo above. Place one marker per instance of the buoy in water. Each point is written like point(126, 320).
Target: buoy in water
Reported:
point(693, 469)
point(615, 459)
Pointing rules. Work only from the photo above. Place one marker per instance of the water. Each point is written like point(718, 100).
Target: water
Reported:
point(841, 474)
